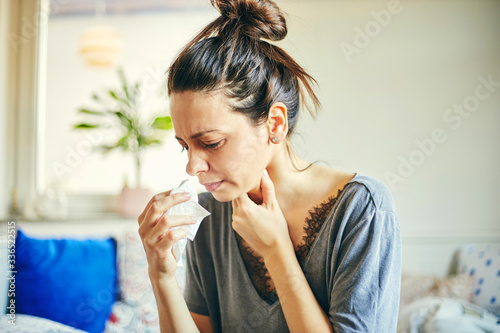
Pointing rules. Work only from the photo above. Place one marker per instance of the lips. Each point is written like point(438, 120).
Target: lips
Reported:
point(211, 187)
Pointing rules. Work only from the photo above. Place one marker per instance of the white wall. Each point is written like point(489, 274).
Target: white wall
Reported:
point(397, 90)
point(392, 93)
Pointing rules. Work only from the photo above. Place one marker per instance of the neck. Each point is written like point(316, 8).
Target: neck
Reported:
point(287, 180)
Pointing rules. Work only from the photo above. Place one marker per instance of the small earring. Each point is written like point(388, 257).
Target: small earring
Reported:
point(274, 140)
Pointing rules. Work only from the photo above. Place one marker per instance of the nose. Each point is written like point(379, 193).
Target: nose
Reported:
point(196, 163)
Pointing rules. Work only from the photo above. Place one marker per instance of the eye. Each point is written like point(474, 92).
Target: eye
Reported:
point(213, 145)
point(185, 148)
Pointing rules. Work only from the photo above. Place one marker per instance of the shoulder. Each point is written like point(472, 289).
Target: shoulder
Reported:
point(365, 202)
point(366, 190)
point(365, 213)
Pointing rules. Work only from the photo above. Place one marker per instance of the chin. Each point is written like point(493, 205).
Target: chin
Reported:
point(223, 196)
point(228, 194)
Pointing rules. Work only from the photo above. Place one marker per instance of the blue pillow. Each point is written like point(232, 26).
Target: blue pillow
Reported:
point(70, 281)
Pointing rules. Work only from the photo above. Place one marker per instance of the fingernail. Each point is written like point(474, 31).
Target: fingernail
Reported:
point(193, 219)
point(266, 175)
point(186, 195)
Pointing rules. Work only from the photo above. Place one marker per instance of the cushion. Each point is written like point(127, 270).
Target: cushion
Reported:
point(415, 286)
point(71, 281)
point(482, 263)
point(136, 311)
point(127, 318)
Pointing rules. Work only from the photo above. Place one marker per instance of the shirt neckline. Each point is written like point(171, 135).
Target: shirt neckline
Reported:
point(243, 269)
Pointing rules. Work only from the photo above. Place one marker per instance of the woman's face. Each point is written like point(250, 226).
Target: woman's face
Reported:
point(226, 152)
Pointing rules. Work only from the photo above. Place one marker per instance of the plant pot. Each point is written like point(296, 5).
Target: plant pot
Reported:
point(132, 201)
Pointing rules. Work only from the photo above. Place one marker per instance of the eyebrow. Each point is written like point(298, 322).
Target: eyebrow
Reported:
point(197, 135)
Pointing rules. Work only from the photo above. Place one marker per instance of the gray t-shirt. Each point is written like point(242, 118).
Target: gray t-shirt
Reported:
point(353, 267)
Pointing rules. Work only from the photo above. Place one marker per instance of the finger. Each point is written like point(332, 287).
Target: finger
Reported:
point(150, 202)
point(161, 205)
point(170, 238)
point(165, 223)
point(242, 202)
point(267, 188)
point(237, 202)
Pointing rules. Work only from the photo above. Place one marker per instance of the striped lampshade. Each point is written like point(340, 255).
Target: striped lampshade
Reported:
point(101, 46)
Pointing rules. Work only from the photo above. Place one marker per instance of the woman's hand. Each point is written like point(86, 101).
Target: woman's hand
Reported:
point(157, 236)
point(262, 226)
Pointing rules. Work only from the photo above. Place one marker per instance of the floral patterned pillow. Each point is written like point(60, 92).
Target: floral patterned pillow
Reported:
point(136, 311)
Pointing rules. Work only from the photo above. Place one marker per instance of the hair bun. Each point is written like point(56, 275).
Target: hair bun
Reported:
point(254, 18)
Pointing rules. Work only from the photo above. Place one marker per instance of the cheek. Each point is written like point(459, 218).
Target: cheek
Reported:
point(246, 163)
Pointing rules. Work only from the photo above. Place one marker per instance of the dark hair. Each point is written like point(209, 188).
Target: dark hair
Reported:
point(230, 55)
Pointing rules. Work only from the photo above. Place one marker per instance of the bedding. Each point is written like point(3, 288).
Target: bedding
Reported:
point(31, 324)
point(415, 286)
point(439, 314)
point(465, 301)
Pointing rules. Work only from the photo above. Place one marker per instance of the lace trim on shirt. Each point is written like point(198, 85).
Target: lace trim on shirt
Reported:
point(258, 272)
point(255, 265)
point(317, 216)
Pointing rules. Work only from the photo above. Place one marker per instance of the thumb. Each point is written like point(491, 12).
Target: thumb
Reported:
point(241, 201)
point(267, 188)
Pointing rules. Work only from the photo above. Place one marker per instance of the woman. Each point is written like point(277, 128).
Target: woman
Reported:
point(290, 246)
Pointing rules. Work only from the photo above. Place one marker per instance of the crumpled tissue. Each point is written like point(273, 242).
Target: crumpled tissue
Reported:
point(190, 207)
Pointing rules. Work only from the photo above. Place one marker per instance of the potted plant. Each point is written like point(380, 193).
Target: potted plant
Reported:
point(120, 108)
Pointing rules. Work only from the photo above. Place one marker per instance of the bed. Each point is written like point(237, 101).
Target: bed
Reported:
point(448, 284)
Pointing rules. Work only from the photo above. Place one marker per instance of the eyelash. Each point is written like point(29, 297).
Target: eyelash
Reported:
point(207, 146)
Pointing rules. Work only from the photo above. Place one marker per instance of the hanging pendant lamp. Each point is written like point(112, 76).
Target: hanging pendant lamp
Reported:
point(101, 44)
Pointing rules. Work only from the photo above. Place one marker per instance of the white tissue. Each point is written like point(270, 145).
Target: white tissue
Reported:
point(190, 207)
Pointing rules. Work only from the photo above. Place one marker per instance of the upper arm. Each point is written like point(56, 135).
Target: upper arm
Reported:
point(367, 280)
point(203, 323)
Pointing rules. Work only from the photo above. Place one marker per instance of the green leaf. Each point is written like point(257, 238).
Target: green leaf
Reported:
point(123, 80)
point(126, 121)
point(95, 113)
point(106, 149)
point(121, 74)
point(162, 123)
point(124, 142)
point(113, 94)
point(145, 141)
point(86, 126)
point(136, 88)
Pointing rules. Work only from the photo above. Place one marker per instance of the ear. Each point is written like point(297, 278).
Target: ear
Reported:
point(277, 122)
